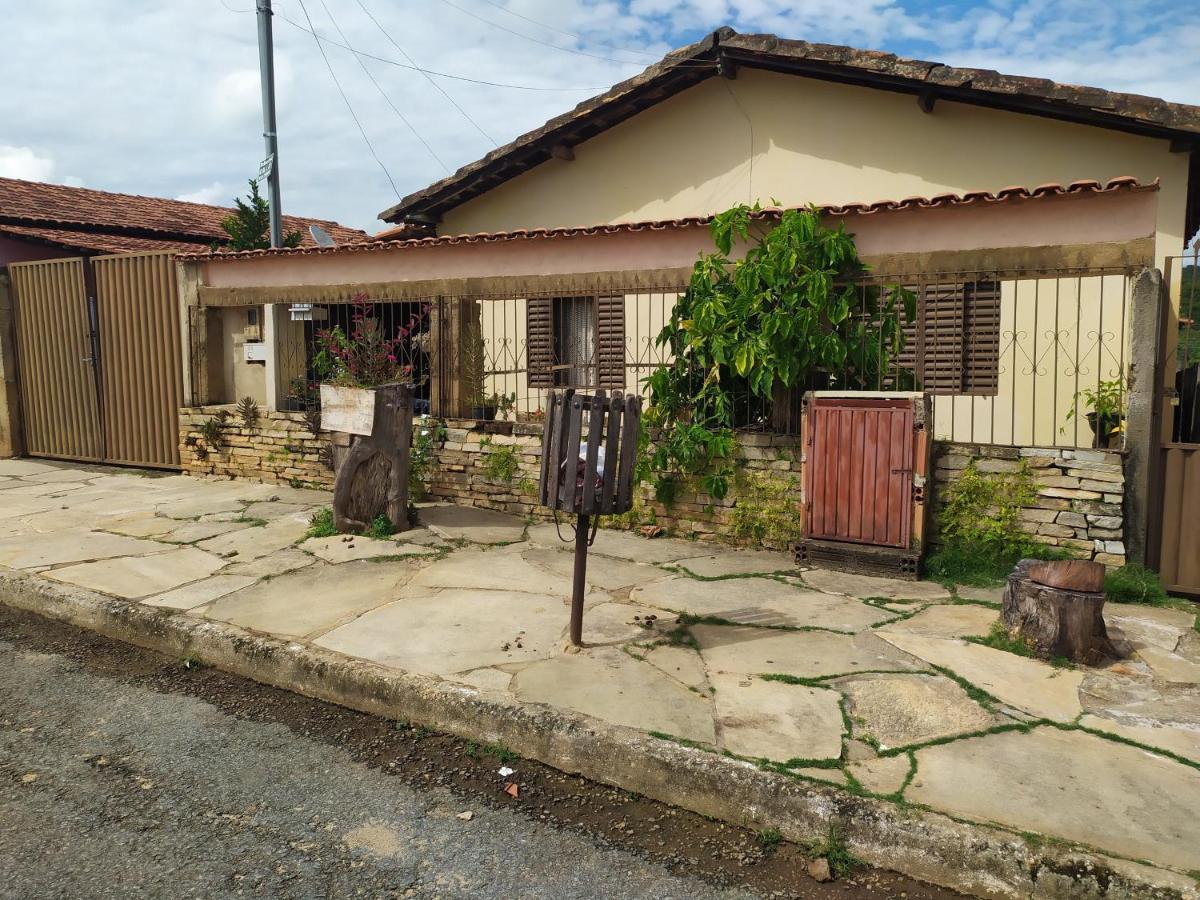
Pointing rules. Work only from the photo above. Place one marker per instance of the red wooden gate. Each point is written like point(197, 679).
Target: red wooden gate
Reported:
point(858, 476)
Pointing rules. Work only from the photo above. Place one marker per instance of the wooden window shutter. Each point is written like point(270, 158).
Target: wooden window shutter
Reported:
point(954, 345)
point(539, 342)
point(610, 343)
point(982, 337)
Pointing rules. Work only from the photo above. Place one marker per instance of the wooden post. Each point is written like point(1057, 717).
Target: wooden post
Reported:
point(359, 493)
point(579, 585)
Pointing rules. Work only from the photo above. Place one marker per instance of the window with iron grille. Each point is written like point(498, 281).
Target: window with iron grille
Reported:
point(953, 347)
point(576, 342)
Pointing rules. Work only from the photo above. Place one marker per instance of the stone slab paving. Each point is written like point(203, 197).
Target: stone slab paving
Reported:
point(760, 602)
point(478, 526)
point(140, 576)
point(685, 639)
point(454, 630)
point(1109, 796)
point(776, 721)
point(312, 600)
point(863, 586)
point(1026, 684)
point(902, 710)
point(804, 654)
point(945, 621)
point(612, 685)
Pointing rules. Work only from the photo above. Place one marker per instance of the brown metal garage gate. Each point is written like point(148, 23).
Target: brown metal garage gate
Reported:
point(99, 359)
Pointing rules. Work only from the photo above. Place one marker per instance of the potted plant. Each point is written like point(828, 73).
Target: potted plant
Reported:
point(1107, 404)
point(473, 374)
point(350, 365)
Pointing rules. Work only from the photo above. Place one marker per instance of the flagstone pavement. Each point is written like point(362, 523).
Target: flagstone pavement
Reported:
point(865, 683)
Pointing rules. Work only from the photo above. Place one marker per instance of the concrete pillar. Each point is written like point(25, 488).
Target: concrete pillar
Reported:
point(195, 346)
point(1140, 439)
point(12, 433)
point(270, 336)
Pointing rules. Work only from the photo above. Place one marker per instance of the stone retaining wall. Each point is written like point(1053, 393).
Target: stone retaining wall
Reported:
point(468, 470)
point(1080, 493)
point(279, 449)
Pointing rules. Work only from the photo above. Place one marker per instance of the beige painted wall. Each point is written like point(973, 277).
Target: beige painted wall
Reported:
point(813, 142)
point(235, 378)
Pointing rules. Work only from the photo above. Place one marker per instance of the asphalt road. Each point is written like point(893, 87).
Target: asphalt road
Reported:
point(108, 789)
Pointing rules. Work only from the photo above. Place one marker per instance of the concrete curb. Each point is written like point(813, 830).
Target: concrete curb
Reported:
point(978, 860)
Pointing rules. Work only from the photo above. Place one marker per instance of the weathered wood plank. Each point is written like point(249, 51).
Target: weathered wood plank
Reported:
point(597, 410)
point(629, 437)
point(612, 450)
point(570, 491)
point(347, 409)
point(547, 431)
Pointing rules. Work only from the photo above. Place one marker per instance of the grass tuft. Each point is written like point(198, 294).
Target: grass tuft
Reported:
point(321, 524)
point(999, 638)
point(1134, 584)
point(833, 847)
point(770, 838)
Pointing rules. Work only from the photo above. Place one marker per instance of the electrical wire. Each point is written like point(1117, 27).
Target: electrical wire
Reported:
point(467, 12)
point(427, 77)
point(392, 62)
point(346, 99)
point(383, 93)
point(570, 34)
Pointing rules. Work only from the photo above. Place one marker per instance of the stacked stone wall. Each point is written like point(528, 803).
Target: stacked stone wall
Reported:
point(278, 449)
point(1080, 493)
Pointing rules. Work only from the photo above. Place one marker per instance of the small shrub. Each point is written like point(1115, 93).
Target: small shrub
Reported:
point(321, 524)
point(1134, 584)
point(766, 512)
point(420, 460)
point(312, 420)
point(980, 531)
point(381, 528)
point(500, 463)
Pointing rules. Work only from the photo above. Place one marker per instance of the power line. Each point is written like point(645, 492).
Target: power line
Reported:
point(467, 12)
point(427, 77)
point(383, 93)
point(570, 34)
point(346, 99)
point(392, 62)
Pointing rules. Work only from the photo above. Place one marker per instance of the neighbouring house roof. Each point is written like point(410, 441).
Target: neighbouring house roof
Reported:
point(725, 49)
point(396, 237)
point(87, 220)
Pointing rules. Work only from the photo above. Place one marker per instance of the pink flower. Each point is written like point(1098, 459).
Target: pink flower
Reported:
point(391, 357)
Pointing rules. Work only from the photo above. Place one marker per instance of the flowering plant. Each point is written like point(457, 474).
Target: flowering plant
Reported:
point(365, 357)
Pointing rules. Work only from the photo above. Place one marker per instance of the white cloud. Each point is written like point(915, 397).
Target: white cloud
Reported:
point(23, 163)
point(216, 194)
point(168, 103)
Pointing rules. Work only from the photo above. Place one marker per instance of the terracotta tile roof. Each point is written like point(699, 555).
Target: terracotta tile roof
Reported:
point(97, 241)
point(85, 219)
point(383, 241)
point(689, 65)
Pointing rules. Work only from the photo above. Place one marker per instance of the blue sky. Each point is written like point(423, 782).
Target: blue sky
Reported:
point(161, 97)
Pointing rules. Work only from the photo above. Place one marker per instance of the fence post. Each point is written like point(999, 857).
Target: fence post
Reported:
point(1140, 440)
point(11, 428)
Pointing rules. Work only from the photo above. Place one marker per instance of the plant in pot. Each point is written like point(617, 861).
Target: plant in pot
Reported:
point(1106, 402)
point(350, 365)
point(473, 374)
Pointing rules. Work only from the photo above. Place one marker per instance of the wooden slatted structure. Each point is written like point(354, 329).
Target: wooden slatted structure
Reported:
point(953, 347)
point(575, 481)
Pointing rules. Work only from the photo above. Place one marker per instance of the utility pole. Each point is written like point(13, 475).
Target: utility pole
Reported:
point(266, 71)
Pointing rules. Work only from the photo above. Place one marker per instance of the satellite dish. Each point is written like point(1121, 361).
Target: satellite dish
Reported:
point(321, 236)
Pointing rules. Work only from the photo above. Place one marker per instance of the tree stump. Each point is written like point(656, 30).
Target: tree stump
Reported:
point(1058, 621)
point(372, 477)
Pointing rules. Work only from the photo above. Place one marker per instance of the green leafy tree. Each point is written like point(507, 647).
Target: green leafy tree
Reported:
point(249, 226)
point(787, 310)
